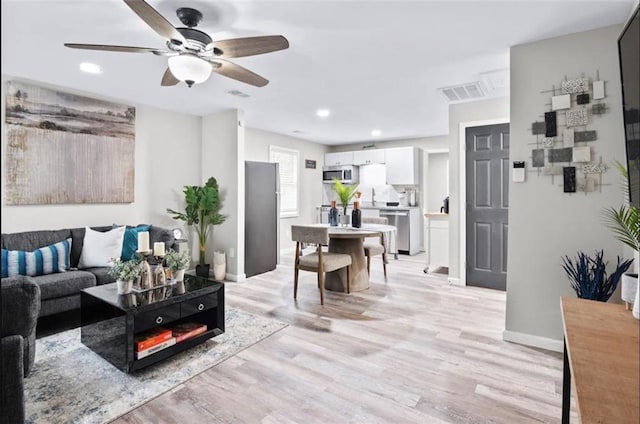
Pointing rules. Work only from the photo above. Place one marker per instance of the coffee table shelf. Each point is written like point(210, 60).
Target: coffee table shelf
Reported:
point(110, 321)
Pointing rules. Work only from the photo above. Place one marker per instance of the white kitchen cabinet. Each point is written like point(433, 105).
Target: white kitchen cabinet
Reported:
point(368, 157)
point(437, 241)
point(403, 165)
point(338, 158)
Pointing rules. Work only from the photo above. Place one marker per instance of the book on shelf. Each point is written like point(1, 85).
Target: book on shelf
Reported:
point(187, 330)
point(151, 337)
point(162, 345)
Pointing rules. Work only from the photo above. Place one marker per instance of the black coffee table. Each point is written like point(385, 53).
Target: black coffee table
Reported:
point(110, 321)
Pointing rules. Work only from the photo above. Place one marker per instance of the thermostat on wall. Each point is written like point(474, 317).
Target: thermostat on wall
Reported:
point(518, 171)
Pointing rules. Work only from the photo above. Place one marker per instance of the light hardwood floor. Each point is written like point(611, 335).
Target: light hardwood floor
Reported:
point(413, 349)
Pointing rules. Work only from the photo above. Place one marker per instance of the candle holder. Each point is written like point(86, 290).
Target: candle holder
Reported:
point(159, 279)
point(145, 280)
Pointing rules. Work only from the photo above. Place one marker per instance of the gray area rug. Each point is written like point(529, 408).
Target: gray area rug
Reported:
point(72, 384)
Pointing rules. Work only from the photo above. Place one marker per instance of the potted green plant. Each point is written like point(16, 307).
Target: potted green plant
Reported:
point(124, 272)
point(625, 224)
point(345, 193)
point(177, 262)
point(202, 212)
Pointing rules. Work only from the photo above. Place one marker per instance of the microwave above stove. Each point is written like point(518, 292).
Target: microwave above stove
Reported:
point(347, 174)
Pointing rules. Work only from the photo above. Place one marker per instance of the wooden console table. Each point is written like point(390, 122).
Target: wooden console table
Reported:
point(602, 355)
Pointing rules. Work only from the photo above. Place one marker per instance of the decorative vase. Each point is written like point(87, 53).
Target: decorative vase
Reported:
point(344, 220)
point(219, 265)
point(179, 288)
point(636, 303)
point(202, 270)
point(629, 289)
point(178, 275)
point(124, 287)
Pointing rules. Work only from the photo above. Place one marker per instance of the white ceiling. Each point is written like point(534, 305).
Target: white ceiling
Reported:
point(374, 64)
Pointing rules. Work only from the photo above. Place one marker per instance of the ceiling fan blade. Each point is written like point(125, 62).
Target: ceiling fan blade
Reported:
point(168, 79)
point(155, 20)
point(237, 72)
point(126, 49)
point(249, 46)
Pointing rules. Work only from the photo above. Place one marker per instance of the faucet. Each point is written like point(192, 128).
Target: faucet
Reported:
point(373, 196)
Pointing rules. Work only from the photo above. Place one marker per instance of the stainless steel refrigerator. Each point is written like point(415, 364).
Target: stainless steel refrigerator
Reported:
point(262, 217)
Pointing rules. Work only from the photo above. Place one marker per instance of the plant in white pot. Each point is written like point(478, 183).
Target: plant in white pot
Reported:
point(177, 262)
point(202, 212)
point(124, 272)
point(625, 224)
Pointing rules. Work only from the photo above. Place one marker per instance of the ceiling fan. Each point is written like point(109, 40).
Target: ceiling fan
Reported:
point(192, 53)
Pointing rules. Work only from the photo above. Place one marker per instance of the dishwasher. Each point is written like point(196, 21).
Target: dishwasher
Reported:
point(400, 219)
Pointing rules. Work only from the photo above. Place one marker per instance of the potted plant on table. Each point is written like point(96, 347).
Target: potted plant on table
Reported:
point(177, 262)
point(589, 278)
point(124, 272)
point(625, 224)
point(202, 212)
point(345, 192)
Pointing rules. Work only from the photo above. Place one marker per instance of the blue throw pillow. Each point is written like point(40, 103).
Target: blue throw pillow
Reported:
point(130, 243)
point(46, 260)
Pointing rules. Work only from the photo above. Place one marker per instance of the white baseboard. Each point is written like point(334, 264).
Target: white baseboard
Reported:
point(235, 277)
point(456, 282)
point(533, 341)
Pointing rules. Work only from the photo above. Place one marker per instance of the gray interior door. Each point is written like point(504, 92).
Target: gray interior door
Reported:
point(487, 174)
point(261, 217)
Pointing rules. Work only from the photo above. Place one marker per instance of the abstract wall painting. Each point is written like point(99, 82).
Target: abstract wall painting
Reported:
point(578, 85)
point(561, 102)
point(537, 158)
point(598, 90)
point(582, 99)
point(598, 108)
point(577, 117)
point(560, 155)
point(67, 149)
point(568, 136)
point(569, 173)
point(582, 154)
point(550, 124)
point(581, 136)
point(538, 128)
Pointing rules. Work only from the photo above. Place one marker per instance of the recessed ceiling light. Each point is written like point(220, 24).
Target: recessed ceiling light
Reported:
point(90, 68)
point(376, 133)
point(323, 113)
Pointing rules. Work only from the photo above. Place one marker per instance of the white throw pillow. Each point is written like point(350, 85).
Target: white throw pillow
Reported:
point(99, 248)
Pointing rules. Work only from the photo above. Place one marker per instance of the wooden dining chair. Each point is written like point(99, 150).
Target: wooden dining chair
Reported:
point(318, 261)
point(373, 247)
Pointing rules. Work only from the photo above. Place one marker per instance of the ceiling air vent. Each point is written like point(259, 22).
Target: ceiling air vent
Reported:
point(468, 91)
point(237, 93)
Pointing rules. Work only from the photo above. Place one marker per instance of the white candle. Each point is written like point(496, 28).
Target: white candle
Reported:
point(158, 248)
point(143, 241)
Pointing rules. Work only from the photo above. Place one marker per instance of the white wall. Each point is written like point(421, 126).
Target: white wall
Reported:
point(161, 169)
point(223, 158)
point(544, 222)
point(437, 188)
point(310, 183)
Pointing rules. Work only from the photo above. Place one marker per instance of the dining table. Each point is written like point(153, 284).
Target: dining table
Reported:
point(350, 240)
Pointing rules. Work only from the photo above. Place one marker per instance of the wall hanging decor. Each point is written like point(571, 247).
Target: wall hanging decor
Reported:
point(67, 149)
point(564, 145)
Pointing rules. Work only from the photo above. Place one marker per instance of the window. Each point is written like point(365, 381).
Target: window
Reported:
point(288, 160)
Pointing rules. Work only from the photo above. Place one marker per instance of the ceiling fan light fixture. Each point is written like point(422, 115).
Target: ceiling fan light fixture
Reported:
point(189, 68)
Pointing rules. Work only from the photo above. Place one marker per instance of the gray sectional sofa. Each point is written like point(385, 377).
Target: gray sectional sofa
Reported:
point(25, 299)
point(61, 292)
